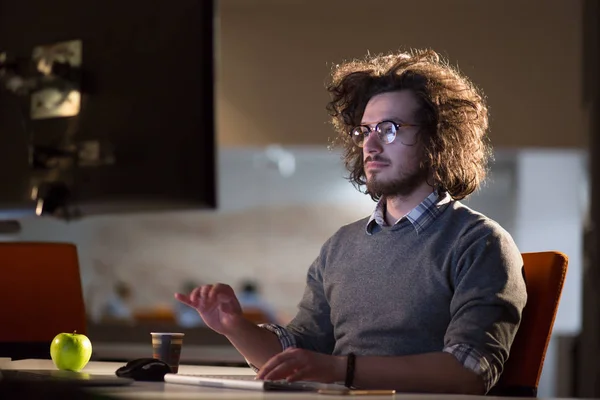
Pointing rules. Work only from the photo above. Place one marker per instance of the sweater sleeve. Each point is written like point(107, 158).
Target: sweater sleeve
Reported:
point(489, 296)
point(311, 327)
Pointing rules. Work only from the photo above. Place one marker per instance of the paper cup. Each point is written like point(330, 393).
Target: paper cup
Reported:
point(166, 346)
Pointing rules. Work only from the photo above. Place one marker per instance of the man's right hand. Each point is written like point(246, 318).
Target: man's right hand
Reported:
point(217, 305)
point(221, 311)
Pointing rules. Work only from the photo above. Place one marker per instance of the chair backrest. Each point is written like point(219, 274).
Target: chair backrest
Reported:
point(544, 276)
point(40, 292)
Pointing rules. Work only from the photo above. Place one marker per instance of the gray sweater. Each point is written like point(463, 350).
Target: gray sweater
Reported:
point(398, 292)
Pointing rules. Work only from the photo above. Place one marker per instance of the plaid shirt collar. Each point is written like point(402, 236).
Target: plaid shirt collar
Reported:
point(420, 217)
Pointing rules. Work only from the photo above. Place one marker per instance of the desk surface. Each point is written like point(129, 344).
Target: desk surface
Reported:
point(161, 390)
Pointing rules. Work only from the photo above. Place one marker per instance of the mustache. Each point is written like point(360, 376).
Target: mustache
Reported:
point(376, 158)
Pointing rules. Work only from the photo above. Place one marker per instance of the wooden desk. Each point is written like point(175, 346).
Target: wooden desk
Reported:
point(161, 390)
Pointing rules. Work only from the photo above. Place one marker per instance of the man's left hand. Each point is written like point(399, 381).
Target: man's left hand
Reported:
point(295, 364)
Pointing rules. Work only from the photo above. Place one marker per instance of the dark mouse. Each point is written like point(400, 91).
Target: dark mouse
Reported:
point(144, 369)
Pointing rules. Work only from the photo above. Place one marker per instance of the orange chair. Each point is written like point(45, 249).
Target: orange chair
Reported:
point(40, 296)
point(544, 276)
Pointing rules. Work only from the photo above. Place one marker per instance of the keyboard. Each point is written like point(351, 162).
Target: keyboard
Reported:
point(273, 385)
point(247, 382)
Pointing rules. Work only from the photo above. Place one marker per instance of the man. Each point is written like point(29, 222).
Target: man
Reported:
point(424, 295)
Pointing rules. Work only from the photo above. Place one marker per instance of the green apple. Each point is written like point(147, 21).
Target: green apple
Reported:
point(70, 351)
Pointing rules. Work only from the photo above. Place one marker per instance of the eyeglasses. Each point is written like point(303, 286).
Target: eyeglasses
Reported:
point(386, 132)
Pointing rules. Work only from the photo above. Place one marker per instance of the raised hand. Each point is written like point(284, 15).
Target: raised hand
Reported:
point(295, 364)
point(217, 305)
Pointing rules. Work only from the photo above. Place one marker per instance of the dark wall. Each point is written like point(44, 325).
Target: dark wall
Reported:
point(147, 94)
point(587, 374)
point(276, 57)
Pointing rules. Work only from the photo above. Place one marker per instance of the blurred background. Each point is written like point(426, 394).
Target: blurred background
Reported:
point(280, 190)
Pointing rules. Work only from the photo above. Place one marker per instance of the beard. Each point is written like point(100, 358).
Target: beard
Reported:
point(402, 186)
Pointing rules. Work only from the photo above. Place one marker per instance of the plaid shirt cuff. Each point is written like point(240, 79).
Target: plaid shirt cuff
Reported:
point(473, 360)
point(285, 338)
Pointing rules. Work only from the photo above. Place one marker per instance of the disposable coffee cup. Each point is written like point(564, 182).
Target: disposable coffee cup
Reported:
point(166, 346)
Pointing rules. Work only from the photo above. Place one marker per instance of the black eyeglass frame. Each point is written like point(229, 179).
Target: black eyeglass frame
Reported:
point(363, 131)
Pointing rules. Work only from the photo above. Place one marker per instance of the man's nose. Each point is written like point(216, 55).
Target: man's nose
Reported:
point(372, 144)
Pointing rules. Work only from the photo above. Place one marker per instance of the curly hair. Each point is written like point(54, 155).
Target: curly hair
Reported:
point(453, 115)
